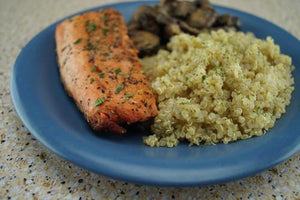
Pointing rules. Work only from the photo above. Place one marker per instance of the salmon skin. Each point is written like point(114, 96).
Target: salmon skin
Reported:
point(100, 70)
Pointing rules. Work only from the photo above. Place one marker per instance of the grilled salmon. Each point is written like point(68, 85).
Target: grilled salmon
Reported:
point(100, 70)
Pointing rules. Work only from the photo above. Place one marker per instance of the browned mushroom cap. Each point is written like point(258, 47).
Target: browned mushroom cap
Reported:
point(163, 3)
point(203, 3)
point(155, 13)
point(133, 25)
point(166, 4)
point(150, 25)
point(202, 17)
point(146, 42)
point(188, 29)
point(144, 11)
point(162, 17)
point(145, 19)
point(172, 29)
point(182, 9)
point(228, 20)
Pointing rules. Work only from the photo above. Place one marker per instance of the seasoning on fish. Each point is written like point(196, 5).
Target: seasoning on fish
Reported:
point(100, 70)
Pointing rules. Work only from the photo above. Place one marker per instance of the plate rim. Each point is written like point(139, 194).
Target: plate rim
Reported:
point(27, 123)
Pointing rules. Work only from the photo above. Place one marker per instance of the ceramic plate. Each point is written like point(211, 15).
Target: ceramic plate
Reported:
point(52, 117)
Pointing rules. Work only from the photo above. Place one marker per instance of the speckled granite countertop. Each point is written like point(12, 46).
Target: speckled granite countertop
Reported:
point(29, 171)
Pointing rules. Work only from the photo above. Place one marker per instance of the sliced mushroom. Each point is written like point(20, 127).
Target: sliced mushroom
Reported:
point(203, 3)
point(182, 9)
point(150, 25)
point(203, 18)
point(166, 4)
point(188, 29)
point(133, 25)
point(236, 22)
point(163, 3)
point(145, 19)
point(147, 43)
point(163, 16)
point(228, 20)
point(143, 12)
point(172, 29)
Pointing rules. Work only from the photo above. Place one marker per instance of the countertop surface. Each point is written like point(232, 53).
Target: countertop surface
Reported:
point(30, 171)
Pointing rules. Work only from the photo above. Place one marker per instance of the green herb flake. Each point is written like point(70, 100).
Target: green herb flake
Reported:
point(92, 80)
point(128, 95)
point(104, 31)
point(89, 46)
point(99, 101)
point(106, 54)
point(118, 71)
point(94, 68)
point(203, 77)
point(92, 27)
point(101, 75)
point(86, 23)
point(118, 89)
point(78, 41)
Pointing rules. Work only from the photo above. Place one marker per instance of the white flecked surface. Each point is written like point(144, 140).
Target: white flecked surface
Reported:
point(29, 171)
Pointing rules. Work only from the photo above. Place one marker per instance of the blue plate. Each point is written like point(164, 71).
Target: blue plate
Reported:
point(52, 117)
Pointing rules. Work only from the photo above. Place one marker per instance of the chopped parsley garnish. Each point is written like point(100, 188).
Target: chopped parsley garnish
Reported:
point(92, 27)
point(89, 46)
point(118, 71)
point(104, 31)
point(91, 80)
point(94, 68)
point(203, 77)
point(128, 95)
point(86, 23)
point(101, 75)
point(99, 101)
point(78, 41)
point(118, 89)
point(106, 54)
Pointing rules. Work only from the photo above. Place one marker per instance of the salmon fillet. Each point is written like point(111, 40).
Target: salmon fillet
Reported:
point(100, 70)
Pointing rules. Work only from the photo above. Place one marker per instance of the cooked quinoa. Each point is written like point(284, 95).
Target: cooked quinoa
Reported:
point(218, 87)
